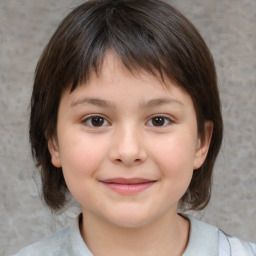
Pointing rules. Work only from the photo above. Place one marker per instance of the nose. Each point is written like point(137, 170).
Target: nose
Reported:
point(127, 147)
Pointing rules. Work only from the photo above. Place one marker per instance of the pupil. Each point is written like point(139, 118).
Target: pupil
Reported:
point(97, 121)
point(158, 121)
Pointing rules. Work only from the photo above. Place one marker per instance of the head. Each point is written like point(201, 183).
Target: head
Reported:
point(146, 36)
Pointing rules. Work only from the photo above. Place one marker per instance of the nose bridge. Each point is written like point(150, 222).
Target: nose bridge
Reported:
point(127, 146)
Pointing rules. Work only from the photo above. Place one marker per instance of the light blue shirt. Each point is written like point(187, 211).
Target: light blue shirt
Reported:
point(204, 239)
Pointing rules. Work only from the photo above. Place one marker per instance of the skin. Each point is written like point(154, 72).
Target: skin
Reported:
point(129, 143)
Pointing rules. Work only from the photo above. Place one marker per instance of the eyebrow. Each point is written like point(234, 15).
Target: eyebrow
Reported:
point(159, 102)
point(93, 101)
point(108, 104)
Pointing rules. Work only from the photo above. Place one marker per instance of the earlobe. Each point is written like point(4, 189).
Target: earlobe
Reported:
point(203, 145)
point(54, 151)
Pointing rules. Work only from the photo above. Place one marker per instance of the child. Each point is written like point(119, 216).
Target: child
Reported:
point(125, 116)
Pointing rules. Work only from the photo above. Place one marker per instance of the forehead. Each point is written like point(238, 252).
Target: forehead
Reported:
point(112, 67)
point(115, 84)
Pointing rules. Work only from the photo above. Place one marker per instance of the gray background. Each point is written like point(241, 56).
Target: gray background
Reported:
point(228, 27)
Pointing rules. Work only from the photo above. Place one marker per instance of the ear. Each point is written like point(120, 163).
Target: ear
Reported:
point(203, 145)
point(54, 151)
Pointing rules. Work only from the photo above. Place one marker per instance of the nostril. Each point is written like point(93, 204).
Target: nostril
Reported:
point(130, 162)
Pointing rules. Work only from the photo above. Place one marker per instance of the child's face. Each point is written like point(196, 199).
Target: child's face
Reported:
point(128, 140)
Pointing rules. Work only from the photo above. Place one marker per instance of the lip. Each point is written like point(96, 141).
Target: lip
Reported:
point(130, 186)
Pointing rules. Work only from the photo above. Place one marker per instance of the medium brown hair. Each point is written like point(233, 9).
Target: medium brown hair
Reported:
point(147, 35)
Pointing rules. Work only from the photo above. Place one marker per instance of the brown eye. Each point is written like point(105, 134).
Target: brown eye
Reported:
point(159, 121)
point(95, 121)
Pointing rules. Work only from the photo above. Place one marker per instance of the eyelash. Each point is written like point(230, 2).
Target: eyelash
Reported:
point(161, 116)
point(90, 118)
point(104, 119)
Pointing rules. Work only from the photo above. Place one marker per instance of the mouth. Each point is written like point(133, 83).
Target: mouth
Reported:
point(125, 186)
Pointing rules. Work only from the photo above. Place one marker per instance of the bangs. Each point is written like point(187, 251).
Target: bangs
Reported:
point(133, 44)
point(128, 32)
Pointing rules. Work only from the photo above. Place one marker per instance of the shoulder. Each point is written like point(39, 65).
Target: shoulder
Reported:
point(52, 245)
point(66, 242)
point(229, 245)
point(210, 240)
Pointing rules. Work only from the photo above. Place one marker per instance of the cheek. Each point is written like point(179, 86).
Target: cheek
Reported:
point(175, 157)
point(81, 157)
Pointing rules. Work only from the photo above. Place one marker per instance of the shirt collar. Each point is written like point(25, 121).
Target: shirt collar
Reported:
point(203, 238)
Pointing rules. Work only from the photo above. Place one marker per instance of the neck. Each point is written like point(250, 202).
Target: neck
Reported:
point(162, 236)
